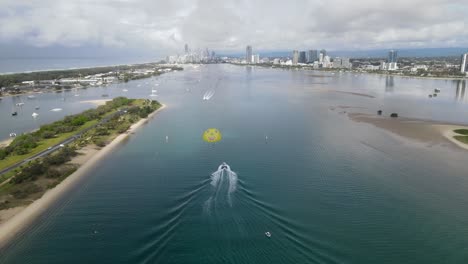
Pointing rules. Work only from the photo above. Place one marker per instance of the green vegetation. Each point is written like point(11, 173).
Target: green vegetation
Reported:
point(461, 131)
point(29, 182)
point(462, 139)
point(7, 80)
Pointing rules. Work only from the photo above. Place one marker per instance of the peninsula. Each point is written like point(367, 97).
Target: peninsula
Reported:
point(37, 167)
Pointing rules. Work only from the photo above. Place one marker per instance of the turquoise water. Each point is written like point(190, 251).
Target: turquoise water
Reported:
point(329, 190)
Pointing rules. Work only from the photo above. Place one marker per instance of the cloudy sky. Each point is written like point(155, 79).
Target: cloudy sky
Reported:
point(164, 26)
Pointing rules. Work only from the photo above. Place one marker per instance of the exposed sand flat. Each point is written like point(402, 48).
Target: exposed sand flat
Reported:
point(421, 130)
point(19, 218)
point(447, 132)
point(96, 102)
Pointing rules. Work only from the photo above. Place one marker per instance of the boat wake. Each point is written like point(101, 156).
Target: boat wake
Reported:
point(208, 94)
point(224, 183)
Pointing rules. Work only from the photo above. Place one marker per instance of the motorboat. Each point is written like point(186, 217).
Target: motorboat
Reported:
point(224, 166)
point(14, 113)
point(35, 115)
point(12, 134)
point(268, 234)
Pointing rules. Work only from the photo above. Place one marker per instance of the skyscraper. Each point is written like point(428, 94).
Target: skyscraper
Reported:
point(186, 48)
point(392, 56)
point(302, 57)
point(324, 52)
point(295, 57)
point(312, 56)
point(248, 54)
point(464, 63)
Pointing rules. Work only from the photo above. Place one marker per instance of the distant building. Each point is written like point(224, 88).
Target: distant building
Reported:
point(186, 48)
point(276, 61)
point(248, 54)
point(464, 63)
point(302, 57)
point(295, 57)
point(256, 58)
point(312, 56)
point(341, 63)
point(392, 56)
point(383, 66)
point(324, 52)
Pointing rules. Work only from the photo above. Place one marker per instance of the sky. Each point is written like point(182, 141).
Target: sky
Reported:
point(161, 27)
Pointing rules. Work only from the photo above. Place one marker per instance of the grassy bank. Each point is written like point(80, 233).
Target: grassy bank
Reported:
point(31, 181)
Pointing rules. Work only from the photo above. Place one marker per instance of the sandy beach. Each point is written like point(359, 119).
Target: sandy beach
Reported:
point(6, 142)
point(14, 220)
point(421, 130)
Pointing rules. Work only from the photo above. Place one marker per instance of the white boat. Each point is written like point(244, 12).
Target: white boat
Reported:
point(31, 96)
point(56, 109)
point(154, 91)
point(224, 166)
point(12, 134)
point(19, 104)
point(268, 234)
point(124, 90)
point(34, 115)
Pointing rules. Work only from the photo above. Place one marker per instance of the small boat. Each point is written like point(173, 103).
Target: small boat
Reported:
point(436, 90)
point(37, 107)
point(19, 104)
point(167, 139)
point(124, 90)
point(31, 96)
point(12, 134)
point(268, 234)
point(154, 91)
point(34, 115)
point(14, 113)
point(224, 166)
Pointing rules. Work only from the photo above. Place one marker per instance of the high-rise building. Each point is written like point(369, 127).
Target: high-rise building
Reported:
point(464, 63)
point(295, 57)
point(312, 56)
point(248, 54)
point(256, 58)
point(323, 52)
point(186, 48)
point(345, 63)
point(302, 57)
point(392, 56)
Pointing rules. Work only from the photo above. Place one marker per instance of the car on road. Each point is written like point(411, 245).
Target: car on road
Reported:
point(49, 148)
point(61, 145)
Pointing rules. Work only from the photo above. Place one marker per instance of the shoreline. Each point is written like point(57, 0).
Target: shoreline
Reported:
point(425, 131)
point(331, 70)
point(22, 218)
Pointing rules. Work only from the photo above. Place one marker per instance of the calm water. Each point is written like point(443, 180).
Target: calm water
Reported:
point(328, 189)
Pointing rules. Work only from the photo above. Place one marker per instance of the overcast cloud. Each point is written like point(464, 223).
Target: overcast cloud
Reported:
point(229, 25)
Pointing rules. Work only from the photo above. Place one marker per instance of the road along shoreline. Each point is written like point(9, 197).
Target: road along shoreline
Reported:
point(23, 218)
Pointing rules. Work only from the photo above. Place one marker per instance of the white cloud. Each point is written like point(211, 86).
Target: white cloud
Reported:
point(231, 24)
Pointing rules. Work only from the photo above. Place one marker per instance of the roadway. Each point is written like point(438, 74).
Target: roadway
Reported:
point(63, 143)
